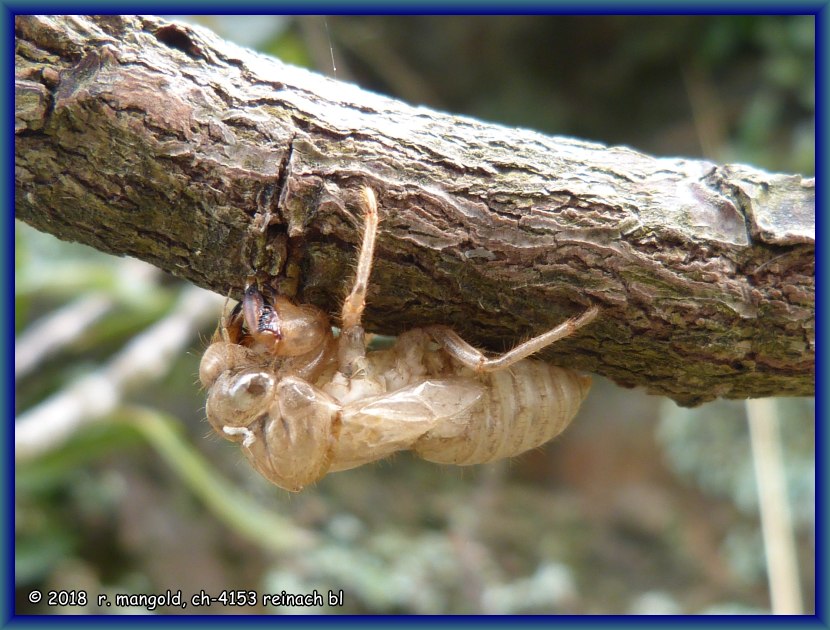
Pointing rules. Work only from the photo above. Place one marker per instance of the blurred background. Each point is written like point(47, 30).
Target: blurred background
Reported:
point(640, 507)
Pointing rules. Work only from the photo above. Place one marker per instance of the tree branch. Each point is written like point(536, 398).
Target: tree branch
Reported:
point(159, 140)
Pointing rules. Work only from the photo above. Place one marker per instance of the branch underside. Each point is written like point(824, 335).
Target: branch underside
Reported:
point(160, 141)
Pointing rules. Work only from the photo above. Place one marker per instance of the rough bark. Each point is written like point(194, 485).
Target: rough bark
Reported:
point(160, 141)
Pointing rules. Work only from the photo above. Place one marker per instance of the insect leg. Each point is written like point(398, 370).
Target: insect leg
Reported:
point(474, 359)
point(351, 345)
point(356, 301)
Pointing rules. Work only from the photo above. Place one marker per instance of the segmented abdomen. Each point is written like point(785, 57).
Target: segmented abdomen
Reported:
point(524, 407)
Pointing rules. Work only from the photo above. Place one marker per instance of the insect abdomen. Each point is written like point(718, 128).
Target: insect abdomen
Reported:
point(524, 407)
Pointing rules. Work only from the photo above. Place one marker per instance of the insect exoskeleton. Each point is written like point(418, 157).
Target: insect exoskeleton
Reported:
point(304, 403)
point(521, 408)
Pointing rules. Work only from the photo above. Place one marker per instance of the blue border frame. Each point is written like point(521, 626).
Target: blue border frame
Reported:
point(434, 7)
point(822, 30)
point(6, 487)
point(819, 9)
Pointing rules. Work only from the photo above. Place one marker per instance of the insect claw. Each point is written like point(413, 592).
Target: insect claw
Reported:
point(259, 317)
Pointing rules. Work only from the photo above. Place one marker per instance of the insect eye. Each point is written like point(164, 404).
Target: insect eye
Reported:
point(250, 389)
